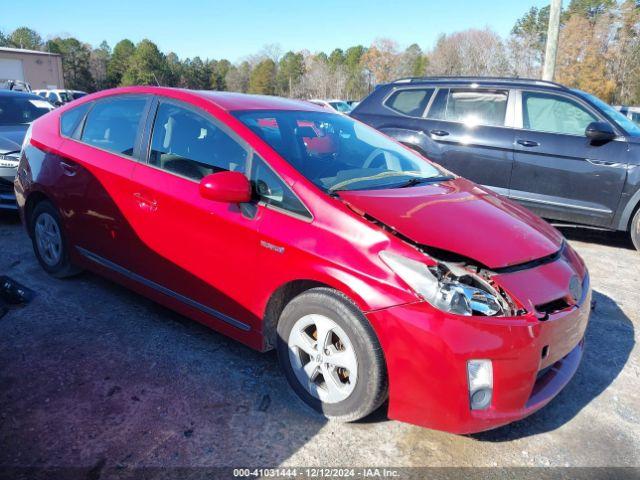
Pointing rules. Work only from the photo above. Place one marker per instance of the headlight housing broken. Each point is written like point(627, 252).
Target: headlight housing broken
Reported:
point(450, 287)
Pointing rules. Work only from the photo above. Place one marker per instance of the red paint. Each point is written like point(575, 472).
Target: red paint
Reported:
point(226, 187)
point(163, 228)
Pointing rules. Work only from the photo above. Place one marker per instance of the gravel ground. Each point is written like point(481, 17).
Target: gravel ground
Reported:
point(94, 376)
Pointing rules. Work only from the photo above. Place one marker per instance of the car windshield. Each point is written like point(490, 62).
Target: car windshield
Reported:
point(337, 153)
point(342, 107)
point(18, 110)
point(629, 126)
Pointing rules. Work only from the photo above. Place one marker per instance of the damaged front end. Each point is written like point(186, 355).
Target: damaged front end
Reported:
point(458, 288)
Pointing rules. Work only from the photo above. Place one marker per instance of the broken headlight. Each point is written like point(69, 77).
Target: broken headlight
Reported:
point(450, 287)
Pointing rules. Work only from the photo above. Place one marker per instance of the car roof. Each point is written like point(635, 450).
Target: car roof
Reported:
point(15, 93)
point(229, 101)
point(241, 101)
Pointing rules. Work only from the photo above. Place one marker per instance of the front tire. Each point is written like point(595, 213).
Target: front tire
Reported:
point(635, 230)
point(49, 243)
point(331, 355)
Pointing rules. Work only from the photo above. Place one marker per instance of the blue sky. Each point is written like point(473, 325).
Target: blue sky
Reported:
point(234, 29)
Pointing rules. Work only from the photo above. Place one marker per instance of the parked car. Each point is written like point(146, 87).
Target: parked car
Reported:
point(17, 111)
point(337, 105)
point(16, 85)
point(353, 103)
point(371, 270)
point(561, 152)
point(632, 113)
point(59, 97)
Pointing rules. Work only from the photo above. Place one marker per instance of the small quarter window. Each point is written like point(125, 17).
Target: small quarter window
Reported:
point(112, 124)
point(70, 119)
point(412, 102)
point(270, 189)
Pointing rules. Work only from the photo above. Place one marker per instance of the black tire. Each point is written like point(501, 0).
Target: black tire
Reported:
point(62, 268)
point(635, 230)
point(371, 387)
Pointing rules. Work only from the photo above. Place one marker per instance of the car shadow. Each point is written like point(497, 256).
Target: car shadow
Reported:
point(601, 237)
point(608, 344)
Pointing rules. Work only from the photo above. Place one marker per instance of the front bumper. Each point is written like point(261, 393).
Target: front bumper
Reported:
point(7, 195)
point(427, 352)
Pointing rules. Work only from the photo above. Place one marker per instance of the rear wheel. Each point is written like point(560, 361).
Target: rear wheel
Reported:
point(49, 243)
point(331, 356)
point(635, 230)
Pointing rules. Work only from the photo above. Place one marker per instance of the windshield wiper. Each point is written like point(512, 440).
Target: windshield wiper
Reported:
point(422, 180)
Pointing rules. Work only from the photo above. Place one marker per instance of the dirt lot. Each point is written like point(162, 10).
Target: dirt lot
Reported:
point(93, 375)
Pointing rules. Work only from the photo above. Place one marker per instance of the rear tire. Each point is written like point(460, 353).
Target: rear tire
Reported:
point(344, 375)
point(635, 230)
point(49, 243)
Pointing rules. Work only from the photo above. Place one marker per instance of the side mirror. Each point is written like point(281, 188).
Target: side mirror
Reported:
point(600, 132)
point(228, 187)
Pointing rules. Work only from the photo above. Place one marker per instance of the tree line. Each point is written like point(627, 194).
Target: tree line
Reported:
point(599, 52)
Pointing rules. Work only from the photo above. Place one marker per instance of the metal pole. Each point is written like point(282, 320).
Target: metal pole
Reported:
point(551, 51)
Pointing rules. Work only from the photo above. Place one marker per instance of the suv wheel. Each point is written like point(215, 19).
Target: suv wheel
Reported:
point(49, 244)
point(635, 230)
point(331, 356)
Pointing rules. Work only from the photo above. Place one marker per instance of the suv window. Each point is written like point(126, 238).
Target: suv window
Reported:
point(544, 112)
point(273, 191)
point(471, 106)
point(112, 124)
point(69, 120)
point(190, 145)
point(412, 102)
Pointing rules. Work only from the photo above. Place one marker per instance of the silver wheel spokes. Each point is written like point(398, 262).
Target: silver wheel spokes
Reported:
point(323, 358)
point(48, 239)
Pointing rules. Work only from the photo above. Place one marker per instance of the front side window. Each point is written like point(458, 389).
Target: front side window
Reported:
point(190, 145)
point(411, 102)
point(471, 106)
point(16, 110)
point(337, 153)
point(272, 190)
point(630, 123)
point(112, 124)
point(543, 112)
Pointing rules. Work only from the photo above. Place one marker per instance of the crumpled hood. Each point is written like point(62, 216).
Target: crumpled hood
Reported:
point(11, 137)
point(461, 217)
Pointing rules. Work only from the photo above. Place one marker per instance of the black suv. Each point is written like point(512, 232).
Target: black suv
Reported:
point(563, 153)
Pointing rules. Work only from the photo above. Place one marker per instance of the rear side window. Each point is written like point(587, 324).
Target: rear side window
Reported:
point(112, 124)
point(550, 113)
point(70, 119)
point(471, 106)
point(190, 145)
point(412, 102)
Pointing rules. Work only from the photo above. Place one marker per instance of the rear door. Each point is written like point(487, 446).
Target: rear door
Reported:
point(473, 135)
point(99, 155)
point(558, 172)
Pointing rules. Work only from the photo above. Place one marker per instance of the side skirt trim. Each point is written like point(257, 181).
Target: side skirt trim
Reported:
point(166, 291)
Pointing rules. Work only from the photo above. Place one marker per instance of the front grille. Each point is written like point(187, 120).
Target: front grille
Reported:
point(6, 186)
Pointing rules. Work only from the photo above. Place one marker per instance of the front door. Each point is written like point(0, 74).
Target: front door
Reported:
point(560, 173)
point(200, 252)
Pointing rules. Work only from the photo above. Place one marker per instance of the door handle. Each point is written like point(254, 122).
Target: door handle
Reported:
point(146, 203)
point(605, 163)
point(528, 143)
point(68, 169)
point(439, 133)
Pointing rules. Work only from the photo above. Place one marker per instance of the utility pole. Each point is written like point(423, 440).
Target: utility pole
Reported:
point(551, 51)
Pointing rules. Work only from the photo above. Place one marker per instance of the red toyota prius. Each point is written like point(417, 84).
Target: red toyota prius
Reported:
point(374, 273)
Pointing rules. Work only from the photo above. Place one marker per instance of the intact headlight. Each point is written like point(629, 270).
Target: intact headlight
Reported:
point(450, 287)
